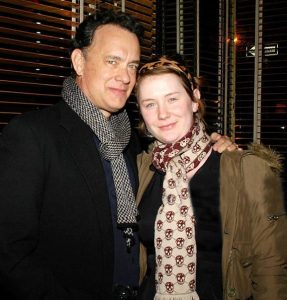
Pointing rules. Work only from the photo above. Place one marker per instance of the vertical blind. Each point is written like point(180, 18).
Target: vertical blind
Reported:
point(260, 108)
point(209, 58)
point(184, 29)
point(274, 76)
point(268, 87)
point(176, 29)
point(240, 49)
point(34, 42)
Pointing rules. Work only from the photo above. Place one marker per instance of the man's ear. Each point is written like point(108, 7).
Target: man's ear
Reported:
point(196, 94)
point(78, 61)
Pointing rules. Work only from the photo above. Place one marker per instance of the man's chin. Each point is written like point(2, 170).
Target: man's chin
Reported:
point(116, 109)
point(118, 105)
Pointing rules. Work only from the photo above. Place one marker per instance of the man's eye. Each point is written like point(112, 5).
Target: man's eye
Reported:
point(111, 61)
point(133, 66)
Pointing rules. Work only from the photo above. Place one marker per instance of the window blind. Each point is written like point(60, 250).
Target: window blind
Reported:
point(34, 41)
point(34, 60)
point(260, 112)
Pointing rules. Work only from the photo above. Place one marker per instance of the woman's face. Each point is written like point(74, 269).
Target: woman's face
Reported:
point(166, 107)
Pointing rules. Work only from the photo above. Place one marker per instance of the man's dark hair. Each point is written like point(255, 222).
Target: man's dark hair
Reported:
point(85, 32)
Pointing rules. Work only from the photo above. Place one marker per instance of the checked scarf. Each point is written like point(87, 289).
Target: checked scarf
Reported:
point(114, 135)
point(174, 239)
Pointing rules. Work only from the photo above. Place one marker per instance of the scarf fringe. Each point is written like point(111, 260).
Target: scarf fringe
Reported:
point(189, 296)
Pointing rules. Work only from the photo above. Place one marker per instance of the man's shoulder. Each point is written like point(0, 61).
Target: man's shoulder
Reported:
point(43, 117)
point(37, 122)
point(38, 115)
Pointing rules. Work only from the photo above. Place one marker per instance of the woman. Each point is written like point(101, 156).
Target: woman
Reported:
point(204, 237)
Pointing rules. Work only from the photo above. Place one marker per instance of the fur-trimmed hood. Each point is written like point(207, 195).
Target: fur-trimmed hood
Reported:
point(274, 159)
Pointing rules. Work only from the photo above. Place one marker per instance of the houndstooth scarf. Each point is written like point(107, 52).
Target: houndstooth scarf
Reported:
point(174, 239)
point(114, 135)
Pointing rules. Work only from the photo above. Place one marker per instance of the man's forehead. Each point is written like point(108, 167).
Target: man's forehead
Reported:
point(114, 41)
point(114, 31)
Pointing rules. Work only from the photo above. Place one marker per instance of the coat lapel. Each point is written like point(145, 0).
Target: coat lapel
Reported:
point(80, 142)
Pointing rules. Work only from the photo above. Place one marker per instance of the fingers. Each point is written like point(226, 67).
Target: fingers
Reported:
point(223, 143)
point(232, 147)
point(215, 137)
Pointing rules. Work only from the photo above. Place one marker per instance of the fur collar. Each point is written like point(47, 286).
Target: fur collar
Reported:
point(270, 155)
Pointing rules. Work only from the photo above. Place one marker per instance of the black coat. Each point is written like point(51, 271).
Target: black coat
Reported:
point(56, 235)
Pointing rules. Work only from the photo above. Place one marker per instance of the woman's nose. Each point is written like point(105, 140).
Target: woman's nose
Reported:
point(163, 112)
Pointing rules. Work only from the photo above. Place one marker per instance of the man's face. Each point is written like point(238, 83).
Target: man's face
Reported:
point(107, 69)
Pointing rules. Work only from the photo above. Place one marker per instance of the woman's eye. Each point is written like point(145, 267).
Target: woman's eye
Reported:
point(149, 105)
point(172, 99)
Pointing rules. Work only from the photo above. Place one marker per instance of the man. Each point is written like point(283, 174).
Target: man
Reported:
point(58, 218)
point(68, 178)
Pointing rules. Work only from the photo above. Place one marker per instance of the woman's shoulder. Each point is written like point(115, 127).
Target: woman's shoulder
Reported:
point(255, 155)
point(253, 175)
point(144, 159)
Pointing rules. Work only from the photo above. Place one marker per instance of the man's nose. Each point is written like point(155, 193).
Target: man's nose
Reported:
point(123, 75)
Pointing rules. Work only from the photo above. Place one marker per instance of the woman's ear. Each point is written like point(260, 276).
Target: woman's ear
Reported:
point(78, 61)
point(196, 94)
point(194, 106)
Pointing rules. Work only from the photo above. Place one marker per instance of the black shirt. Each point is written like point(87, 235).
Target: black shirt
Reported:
point(126, 264)
point(204, 189)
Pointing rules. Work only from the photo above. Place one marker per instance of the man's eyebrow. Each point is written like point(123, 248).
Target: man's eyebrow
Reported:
point(113, 57)
point(135, 62)
point(118, 58)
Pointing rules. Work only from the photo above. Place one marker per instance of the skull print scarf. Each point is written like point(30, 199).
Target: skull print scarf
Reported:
point(174, 239)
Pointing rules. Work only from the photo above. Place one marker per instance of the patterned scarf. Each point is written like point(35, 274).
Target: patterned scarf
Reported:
point(114, 135)
point(174, 226)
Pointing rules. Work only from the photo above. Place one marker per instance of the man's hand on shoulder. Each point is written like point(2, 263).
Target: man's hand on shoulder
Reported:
point(222, 143)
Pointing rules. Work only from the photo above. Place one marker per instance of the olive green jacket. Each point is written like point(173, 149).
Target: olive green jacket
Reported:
point(254, 223)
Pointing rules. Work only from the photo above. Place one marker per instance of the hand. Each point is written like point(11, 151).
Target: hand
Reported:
point(222, 143)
